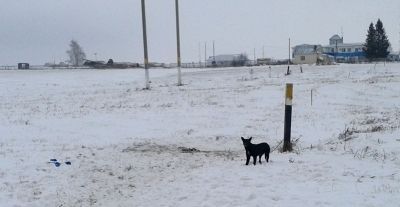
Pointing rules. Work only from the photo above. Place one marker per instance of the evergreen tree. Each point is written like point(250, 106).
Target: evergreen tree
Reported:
point(382, 40)
point(371, 43)
point(377, 43)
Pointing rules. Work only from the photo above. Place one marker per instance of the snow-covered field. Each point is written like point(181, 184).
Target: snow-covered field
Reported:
point(127, 145)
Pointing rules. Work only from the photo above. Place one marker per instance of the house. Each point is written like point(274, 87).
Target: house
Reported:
point(344, 52)
point(307, 54)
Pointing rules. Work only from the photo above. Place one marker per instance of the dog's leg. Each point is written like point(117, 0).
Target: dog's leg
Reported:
point(266, 156)
point(259, 159)
point(255, 159)
point(247, 159)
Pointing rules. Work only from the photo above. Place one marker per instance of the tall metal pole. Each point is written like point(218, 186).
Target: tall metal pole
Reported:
point(214, 53)
point(205, 54)
point(263, 51)
point(146, 56)
point(254, 53)
point(199, 54)
point(178, 42)
point(336, 49)
point(288, 67)
point(289, 53)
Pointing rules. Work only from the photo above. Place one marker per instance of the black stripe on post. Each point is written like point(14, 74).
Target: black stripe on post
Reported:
point(287, 145)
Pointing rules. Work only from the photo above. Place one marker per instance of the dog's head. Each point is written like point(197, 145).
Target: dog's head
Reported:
point(246, 142)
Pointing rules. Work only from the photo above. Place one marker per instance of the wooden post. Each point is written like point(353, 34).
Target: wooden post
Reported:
point(269, 71)
point(311, 96)
point(287, 145)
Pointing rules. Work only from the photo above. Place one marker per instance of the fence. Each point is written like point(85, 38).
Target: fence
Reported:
point(7, 67)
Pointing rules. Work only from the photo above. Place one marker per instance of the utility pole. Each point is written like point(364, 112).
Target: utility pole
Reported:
point(178, 42)
point(263, 51)
point(254, 56)
point(341, 30)
point(214, 53)
point(336, 49)
point(205, 54)
point(289, 53)
point(288, 67)
point(146, 56)
point(199, 54)
point(399, 40)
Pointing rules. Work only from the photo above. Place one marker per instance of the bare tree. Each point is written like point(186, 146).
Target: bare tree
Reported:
point(76, 54)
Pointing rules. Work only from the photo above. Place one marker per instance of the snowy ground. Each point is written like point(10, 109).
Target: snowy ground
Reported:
point(126, 144)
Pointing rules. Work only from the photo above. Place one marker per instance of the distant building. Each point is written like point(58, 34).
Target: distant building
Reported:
point(393, 57)
point(309, 54)
point(336, 40)
point(111, 64)
point(227, 60)
point(337, 51)
point(23, 65)
point(265, 61)
point(344, 52)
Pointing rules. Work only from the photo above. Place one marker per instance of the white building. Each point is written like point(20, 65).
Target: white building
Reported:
point(344, 52)
point(335, 39)
point(307, 54)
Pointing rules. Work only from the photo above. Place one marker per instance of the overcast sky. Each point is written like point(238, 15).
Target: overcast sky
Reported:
point(39, 31)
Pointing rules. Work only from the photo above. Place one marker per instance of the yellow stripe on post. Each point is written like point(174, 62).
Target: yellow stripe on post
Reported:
point(289, 94)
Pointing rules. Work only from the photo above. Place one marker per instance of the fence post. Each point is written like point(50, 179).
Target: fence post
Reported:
point(287, 145)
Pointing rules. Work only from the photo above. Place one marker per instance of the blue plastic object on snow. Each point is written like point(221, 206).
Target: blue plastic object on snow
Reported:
point(68, 163)
point(53, 160)
point(57, 164)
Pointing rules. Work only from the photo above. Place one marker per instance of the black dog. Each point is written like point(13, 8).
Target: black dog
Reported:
point(255, 150)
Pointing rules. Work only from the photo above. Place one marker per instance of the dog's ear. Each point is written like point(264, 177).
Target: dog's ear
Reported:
point(242, 138)
point(250, 138)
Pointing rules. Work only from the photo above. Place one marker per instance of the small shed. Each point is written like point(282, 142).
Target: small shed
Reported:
point(23, 65)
